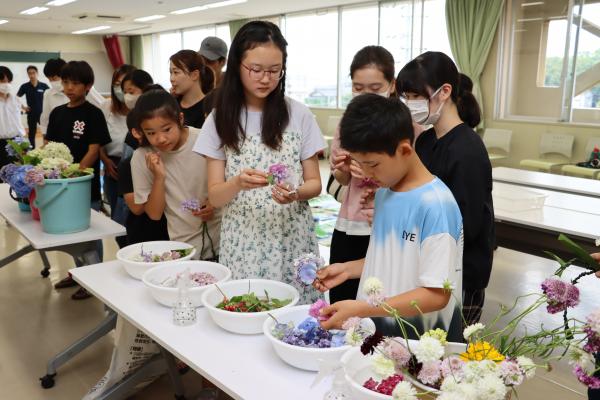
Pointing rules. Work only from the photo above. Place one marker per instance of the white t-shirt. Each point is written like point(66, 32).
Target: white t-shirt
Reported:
point(10, 118)
point(417, 241)
point(117, 128)
point(301, 120)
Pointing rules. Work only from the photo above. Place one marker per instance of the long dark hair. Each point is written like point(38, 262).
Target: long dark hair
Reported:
point(230, 97)
point(190, 61)
point(156, 103)
point(433, 69)
point(377, 56)
point(117, 106)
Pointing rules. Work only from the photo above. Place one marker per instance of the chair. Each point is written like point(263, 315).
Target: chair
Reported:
point(332, 124)
point(497, 143)
point(555, 150)
point(583, 171)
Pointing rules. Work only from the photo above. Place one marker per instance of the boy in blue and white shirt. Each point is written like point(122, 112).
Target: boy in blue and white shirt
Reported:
point(416, 241)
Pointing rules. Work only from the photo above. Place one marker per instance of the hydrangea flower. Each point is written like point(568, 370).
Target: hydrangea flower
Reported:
point(7, 171)
point(56, 150)
point(54, 163)
point(560, 295)
point(190, 205)
point(404, 391)
point(34, 177)
point(277, 173)
point(428, 350)
point(472, 329)
point(430, 373)
point(315, 310)
point(306, 268)
point(17, 181)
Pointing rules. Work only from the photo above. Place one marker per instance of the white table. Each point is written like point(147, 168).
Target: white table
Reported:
point(560, 183)
point(244, 366)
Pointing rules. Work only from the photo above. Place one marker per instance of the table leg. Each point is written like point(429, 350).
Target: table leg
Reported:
point(107, 325)
point(16, 255)
point(173, 374)
point(46, 271)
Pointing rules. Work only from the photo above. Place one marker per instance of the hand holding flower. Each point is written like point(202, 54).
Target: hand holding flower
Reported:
point(340, 312)
point(330, 277)
point(252, 179)
point(206, 212)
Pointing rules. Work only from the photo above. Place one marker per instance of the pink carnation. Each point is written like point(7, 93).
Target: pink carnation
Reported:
point(315, 310)
point(430, 373)
point(560, 295)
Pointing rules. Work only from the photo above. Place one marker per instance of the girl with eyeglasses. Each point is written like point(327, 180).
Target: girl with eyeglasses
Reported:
point(253, 127)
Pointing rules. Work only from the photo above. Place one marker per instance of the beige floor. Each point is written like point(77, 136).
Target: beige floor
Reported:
point(37, 321)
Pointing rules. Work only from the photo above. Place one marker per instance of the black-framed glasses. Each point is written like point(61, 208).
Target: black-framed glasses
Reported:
point(256, 74)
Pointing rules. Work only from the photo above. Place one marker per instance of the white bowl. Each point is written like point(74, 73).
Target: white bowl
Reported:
point(246, 323)
point(167, 296)
point(306, 358)
point(357, 370)
point(137, 268)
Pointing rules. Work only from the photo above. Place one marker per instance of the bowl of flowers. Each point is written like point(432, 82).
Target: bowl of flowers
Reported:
point(163, 280)
point(242, 306)
point(494, 360)
point(299, 340)
point(140, 257)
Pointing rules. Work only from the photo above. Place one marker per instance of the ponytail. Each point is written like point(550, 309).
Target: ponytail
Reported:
point(466, 103)
point(207, 79)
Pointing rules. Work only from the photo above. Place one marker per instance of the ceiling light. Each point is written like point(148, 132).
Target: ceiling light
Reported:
point(530, 19)
point(58, 3)
point(94, 29)
point(3, 21)
point(207, 6)
point(34, 10)
point(534, 3)
point(149, 18)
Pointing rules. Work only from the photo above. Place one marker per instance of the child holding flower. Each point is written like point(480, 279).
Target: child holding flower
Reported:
point(416, 244)
point(254, 126)
point(167, 174)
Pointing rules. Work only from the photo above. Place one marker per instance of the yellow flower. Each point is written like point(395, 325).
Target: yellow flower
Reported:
point(481, 351)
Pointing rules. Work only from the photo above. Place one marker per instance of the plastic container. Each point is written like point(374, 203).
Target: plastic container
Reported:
point(518, 199)
point(64, 204)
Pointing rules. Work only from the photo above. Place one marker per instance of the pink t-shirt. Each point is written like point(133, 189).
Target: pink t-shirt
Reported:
point(351, 218)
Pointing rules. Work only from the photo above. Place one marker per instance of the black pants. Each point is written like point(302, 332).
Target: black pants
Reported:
point(32, 121)
point(4, 158)
point(594, 394)
point(346, 248)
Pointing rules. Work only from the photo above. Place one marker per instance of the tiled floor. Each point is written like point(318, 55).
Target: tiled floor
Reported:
point(37, 321)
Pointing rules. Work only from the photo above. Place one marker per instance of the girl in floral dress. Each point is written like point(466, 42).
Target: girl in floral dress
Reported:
point(253, 127)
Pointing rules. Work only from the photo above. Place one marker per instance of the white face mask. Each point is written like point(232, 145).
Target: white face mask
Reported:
point(130, 100)
point(5, 88)
point(119, 93)
point(419, 110)
point(56, 85)
point(382, 94)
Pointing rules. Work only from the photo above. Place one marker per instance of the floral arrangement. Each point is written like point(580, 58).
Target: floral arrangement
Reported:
point(278, 173)
point(32, 167)
point(495, 360)
point(308, 334)
point(150, 257)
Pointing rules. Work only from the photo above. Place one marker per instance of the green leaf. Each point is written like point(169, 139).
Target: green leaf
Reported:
point(579, 252)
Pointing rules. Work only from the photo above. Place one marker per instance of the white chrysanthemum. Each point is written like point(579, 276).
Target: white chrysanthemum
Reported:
point(527, 365)
point(54, 163)
point(404, 391)
point(490, 387)
point(383, 366)
point(353, 338)
point(471, 329)
point(450, 384)
point(428, 350)
point(57, 150)
point(585, 360)
point(475, 369)
point(467, 391)
point(372, 286)
point(452, 388)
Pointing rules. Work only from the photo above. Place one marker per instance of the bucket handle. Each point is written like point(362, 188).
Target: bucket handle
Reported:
point(40, 205)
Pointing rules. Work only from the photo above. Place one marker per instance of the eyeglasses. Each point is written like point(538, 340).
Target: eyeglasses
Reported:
point(256, 74)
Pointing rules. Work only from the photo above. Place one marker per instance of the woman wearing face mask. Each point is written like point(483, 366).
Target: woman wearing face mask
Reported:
point(191, 80)
point(115, 112)
point(133, 85)
point(10, 114)
point(371, 71)
point(451, 150)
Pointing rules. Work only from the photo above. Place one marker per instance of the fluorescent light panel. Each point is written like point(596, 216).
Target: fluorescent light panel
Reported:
point(207, 6)
point(94, 29)
point(149, 18)
point(533, 3)
point(58, 3)
point(34, 10)
point(530, 19)
point(3, 21)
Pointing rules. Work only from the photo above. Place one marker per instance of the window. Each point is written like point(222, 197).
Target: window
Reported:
point(312, 57)
point(166, 45)
point(552, 68)
point(193, 38)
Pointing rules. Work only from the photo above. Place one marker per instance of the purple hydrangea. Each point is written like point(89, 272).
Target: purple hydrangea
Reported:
point(278, 173)
point(34, 177)
point(315, 310)
point(190, 205)
point(308, 334)
point(560, 295)
point(7, 171)
point(307, 267)
point(17, 181)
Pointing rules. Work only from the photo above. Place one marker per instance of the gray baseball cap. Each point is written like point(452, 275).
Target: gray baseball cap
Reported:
point(213, 48)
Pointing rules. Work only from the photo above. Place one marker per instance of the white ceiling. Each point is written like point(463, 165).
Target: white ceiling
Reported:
point(65, 19)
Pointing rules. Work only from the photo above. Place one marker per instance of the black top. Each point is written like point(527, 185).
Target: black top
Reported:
point(140, 228)
point(78, 128)
point(194, 116)
point(34, 96)
point(461, 161)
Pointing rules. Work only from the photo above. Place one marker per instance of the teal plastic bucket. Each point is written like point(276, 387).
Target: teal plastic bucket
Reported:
point(64, 204)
